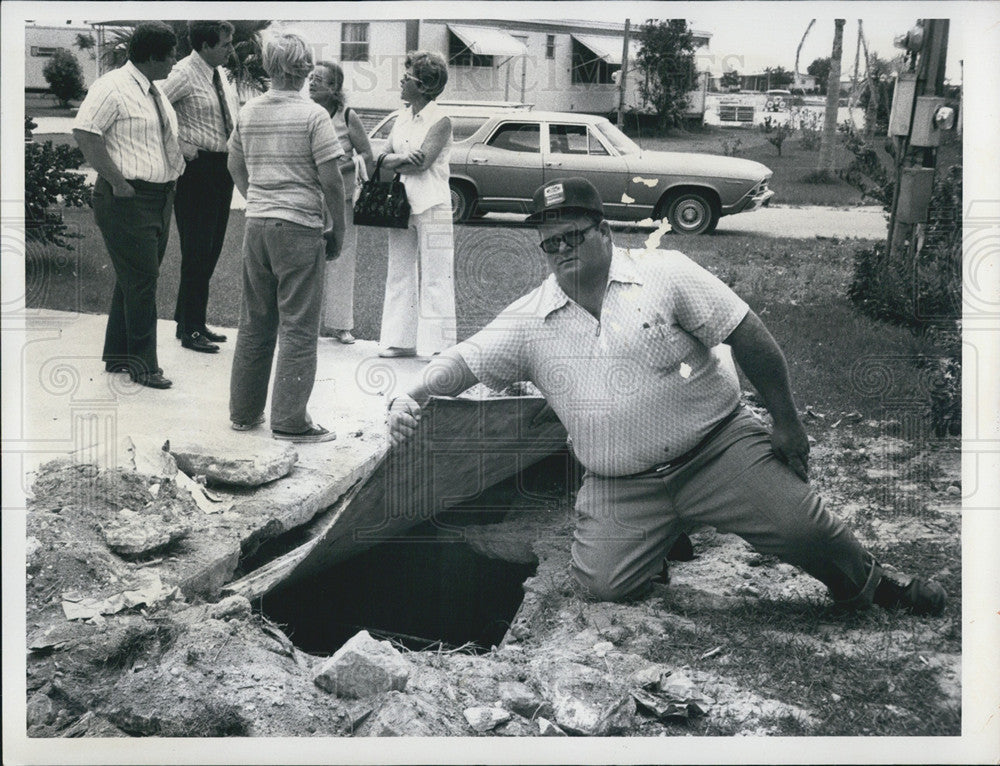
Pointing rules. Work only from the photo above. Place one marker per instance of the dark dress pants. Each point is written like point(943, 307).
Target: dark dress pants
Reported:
point(135, 231)
point(204, 195)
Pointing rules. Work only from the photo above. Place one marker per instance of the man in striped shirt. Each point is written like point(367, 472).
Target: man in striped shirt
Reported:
point(205, 102)
point(127, 132)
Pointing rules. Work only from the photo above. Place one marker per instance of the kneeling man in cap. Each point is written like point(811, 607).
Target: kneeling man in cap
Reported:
point(630, 351)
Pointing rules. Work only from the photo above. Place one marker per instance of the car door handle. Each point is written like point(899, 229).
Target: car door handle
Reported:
point(479, 160)
point(553, 164)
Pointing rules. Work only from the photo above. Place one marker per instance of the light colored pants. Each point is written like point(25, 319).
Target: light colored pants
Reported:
point(338, 288)
point(282, 296)
point(625, 525)
point(419, 308)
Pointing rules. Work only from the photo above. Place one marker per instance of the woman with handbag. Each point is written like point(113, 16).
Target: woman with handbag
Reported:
point(418, 314)
point(326, 85)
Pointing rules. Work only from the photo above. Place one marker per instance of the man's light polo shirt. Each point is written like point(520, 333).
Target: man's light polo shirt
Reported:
point(639, 387)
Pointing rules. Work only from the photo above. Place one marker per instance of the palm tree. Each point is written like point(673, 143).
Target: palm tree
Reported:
point(246, 67)
point(829, 140)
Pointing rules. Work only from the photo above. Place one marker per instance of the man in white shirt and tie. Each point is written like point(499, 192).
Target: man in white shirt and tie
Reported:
point(206, 106)
point(127, 132)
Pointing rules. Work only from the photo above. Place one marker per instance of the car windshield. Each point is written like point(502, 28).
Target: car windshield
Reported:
point(622, 143)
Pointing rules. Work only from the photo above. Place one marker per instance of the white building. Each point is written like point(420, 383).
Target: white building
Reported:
point(41, 41)
point(558, 65)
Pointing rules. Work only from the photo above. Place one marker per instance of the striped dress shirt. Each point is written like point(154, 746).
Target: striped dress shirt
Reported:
point(282, 137)
point(199, 114)
point(642, 385)
point(119, 107)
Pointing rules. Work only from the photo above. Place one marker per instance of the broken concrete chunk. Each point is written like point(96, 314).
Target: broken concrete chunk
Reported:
point(521, 699)
point(483, 719)
point(40, 710)
point(362, 667)
point(232, 607)
point(649, 677)
point(226, 465)
point(131, 534)
point(410, 715)
point(548, 729)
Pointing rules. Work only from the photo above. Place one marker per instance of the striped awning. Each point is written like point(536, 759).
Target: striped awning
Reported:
point(488, 42)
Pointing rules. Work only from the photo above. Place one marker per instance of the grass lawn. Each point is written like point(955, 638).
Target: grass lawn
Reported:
point(797, 286)
point(791, 168)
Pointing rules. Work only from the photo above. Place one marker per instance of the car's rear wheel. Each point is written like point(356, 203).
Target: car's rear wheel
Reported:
point(691, 213)
point(463, 201)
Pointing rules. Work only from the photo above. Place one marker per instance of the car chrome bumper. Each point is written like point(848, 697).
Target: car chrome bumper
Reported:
point(758, 201)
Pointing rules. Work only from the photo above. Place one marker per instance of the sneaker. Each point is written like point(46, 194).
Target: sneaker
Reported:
point(312, 435)
point(248, 426)
point(344, 336)
point(395, 352)
point(909, 594)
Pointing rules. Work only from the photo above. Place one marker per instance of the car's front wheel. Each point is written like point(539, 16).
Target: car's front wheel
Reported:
point(463, 201)
point(691, 213)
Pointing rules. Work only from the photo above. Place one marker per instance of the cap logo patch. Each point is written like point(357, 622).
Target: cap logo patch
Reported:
point(554, 195)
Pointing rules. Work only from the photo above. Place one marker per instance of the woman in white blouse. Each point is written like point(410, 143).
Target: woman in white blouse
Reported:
point(419, 310)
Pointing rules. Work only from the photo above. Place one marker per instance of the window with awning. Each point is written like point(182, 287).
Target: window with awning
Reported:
point(478, 46)
point(596, 59)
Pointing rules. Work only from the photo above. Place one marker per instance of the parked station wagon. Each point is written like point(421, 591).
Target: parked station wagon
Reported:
point(497, 165)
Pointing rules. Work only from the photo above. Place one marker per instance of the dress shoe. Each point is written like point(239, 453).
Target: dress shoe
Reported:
point(197, 342)
point(344, 336)
point(395, 352)
point(214, 337)
point(152, 380)
point(237, 426)
point(123, 367)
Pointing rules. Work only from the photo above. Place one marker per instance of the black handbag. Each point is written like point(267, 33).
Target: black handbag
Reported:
point(382, 203)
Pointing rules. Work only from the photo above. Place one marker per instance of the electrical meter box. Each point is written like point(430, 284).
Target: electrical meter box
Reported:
point(915, 187)
point(902, 104)
point(924, 131)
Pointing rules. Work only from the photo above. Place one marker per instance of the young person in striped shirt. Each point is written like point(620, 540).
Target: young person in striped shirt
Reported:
point(127, 132)
point(284, 157)
point(205, 102)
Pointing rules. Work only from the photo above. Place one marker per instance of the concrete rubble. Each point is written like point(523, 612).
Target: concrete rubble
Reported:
point(363, 667)
point(484, 719)
point(221, 464)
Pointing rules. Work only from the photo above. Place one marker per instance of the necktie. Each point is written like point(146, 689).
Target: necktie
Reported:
point(227, 120)
point(171, 149)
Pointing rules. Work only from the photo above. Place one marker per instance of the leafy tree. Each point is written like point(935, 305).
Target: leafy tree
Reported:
point(86, 42)
point(730, 80)
point(48, 179)
point(667, 56)
point(247, 69)
point(820, 69)
point(779, 77)
point(64, 76)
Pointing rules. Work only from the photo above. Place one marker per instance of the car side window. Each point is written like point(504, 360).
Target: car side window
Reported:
point(573, 139)
point(463, 127)
point(516, 137)
point(386, 129)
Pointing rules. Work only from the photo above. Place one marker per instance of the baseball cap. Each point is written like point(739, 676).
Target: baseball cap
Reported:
point(552, 198)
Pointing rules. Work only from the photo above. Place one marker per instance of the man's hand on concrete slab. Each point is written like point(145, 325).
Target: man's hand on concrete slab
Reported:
point(402, 418)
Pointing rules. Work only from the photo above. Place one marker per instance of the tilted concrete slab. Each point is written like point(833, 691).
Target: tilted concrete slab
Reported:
point(59, 402)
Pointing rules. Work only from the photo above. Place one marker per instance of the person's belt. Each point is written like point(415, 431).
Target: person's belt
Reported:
point(150, 186)
point(691, 453)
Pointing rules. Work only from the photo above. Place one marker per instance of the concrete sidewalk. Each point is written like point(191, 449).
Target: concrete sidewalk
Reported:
point(69, 406)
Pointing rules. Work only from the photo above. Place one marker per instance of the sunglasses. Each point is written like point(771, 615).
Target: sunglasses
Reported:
point(571, 239)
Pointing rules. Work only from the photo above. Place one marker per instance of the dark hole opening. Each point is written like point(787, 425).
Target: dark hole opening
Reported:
point(427, 588)
point(416, 592)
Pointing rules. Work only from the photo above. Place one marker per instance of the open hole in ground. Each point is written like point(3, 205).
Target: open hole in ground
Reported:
point(427, 588)
point(418, 592)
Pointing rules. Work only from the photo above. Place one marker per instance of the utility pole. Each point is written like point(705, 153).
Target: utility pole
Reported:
point(918, 116)
point(622, 77)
